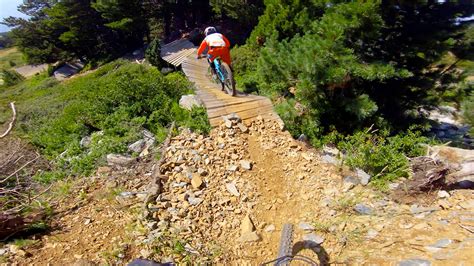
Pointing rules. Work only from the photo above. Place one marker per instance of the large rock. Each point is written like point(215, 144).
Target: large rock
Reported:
point(189, 101)
point(247, 231)
point(363, 176)
point(137, 146)
point(460, 160)
point(85, 141)
point(119, 160)
point(247, 225)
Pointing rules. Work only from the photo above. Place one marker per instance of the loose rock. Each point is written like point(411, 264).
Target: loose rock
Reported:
point(196, 182)
point(119, 160)
point(363, 209)
point(232, 189)
point(363, 177)
point(246, 165)
point(137, 146)
point(306, 226)
point(189, 101)
point(314, 239)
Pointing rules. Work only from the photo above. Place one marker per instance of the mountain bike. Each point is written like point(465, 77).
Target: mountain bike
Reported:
point(285, 251)
point(223, 74)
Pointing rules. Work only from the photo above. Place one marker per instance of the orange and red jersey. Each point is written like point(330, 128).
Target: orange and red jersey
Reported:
point(217, 45)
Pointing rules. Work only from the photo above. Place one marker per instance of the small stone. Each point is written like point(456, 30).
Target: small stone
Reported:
point(305, 226)
point(249, 237)
point(87, 221)
point(393, 186)
point(363, 177)
point(417, 210)
point(414, 262)
point(228, 123)
point(243, 128)
point(314, 239)
point(196, 182)
point(371, 234)
point(232, 117)
point(270, 228)
point(363, 209)
point(443, 194)
point(3, 251)
point(442, 243)
point(246, 226)
point(194, 201)
point(232, 189)
point(247, 165)
point(232, 168)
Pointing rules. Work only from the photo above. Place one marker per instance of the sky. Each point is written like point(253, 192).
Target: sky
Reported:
point(8, 8)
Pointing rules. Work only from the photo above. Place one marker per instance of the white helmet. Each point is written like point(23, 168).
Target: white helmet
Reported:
point(209, 30)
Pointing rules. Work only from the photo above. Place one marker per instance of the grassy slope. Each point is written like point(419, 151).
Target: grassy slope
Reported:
point(11, 55)
point(119, 99)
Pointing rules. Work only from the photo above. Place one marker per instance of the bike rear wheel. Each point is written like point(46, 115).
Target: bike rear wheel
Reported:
point(285, 250)
point(228, 84)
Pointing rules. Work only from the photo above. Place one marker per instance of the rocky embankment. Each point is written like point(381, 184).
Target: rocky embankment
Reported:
point(225, 198)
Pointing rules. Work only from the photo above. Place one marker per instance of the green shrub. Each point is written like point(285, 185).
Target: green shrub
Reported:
point(382, 156)
point(10, 77)
point(244, 63)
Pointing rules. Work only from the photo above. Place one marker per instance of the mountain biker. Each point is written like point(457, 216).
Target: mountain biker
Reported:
point(217, 46)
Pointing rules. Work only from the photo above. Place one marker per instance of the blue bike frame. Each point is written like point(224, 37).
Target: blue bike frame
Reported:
point(217, 66)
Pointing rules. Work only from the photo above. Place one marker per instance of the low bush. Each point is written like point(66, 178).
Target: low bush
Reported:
point(244, 62)
point(384, 157)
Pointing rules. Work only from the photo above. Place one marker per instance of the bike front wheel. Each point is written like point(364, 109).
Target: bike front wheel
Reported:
point(285, 251)
point(228, 84)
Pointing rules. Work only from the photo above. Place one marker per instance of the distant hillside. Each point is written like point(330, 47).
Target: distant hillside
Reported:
point(5, 40)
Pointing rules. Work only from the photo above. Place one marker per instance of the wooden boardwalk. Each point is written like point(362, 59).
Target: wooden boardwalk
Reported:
point(217, 102)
